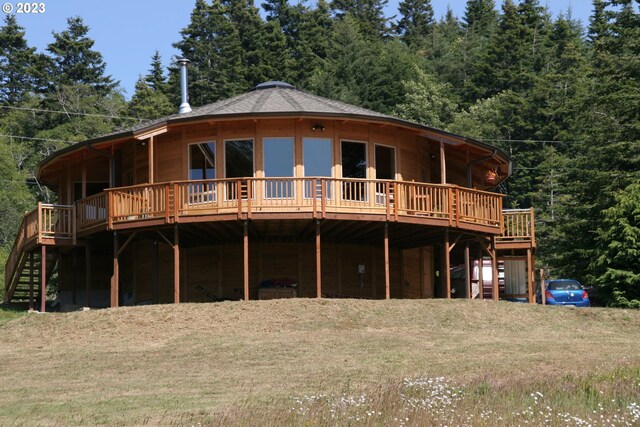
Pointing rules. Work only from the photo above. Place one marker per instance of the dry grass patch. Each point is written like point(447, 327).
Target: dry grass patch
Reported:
point(200, 362)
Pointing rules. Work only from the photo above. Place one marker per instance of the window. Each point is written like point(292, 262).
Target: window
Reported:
point(238, 162)
point(354, 159)
point(385, 169)
point(385, 162)
point(202, 165)
point(354, 165)
point(202, 161)
point(564, 285)
point(317, 160)
point(239, 158)
point(278, 162)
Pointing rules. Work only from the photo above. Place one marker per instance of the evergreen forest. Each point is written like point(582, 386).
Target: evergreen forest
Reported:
point(560, 96)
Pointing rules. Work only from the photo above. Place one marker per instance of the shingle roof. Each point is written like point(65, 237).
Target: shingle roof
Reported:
point(269, 98)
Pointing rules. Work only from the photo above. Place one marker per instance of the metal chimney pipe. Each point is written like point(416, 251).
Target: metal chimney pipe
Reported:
point(184, 98)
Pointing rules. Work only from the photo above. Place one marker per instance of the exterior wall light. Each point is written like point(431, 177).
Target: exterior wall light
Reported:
point(318, 127)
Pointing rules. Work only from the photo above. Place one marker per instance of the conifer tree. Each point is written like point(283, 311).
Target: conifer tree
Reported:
point(446, 52)
point(78, 85)
point(75, 61)
point(278, 58)
point(149, 103)
point(17, 61)
point(336, 77)
point(368, 16)
point(480, 23)
point(150, 99)
point(617, 269)
point(361, 72)
point(156, 78)
point(312, 40)
point(245, 19)
point(416, 21)
point(480, 16)
point(213, 46)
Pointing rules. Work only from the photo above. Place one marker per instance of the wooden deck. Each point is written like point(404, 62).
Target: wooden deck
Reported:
point(150, 205)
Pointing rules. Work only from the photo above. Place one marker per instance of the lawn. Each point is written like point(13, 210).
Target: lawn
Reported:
point(322, 362)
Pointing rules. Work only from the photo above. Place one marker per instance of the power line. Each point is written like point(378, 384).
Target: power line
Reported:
point(17, 181)
point(528, 140)
point(37, 139)
point(70, 113)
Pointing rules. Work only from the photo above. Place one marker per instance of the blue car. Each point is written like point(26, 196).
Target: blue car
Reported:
point(564, 292)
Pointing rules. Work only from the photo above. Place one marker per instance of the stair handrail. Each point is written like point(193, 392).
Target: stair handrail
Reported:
point(14, 256)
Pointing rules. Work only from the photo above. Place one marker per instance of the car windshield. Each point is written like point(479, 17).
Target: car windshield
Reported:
point(564, 285)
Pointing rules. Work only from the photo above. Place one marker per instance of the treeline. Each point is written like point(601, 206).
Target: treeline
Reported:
point(563, 100)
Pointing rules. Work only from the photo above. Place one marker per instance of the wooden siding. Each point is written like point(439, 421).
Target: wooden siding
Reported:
point(169, 153)
point(141, 167)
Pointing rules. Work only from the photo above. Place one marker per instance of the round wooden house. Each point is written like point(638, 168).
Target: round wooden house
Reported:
point(273, 193)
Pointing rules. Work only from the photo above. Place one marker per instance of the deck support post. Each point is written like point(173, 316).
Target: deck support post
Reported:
point(84, 176)
point(87, 272)
point(443, 165)
point(74, 277)
point(151, 159)
point(530, 276)
point(543, 295)
point(446, 273)
point(176, 265)
point(43, 278)
point(318, 262)
point(494, 270)
point(246, 259)
point(155, 282)
point(31, 257)
point(467, 270)
point(115, 278)
point(387, 282)
point(480, 272)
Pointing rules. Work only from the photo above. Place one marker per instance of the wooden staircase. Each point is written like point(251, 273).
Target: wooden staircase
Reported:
point(47, 226)
point(26, 284)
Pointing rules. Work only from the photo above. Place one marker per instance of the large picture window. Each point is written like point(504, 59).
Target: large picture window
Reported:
point(317, 160)
point(278, 162)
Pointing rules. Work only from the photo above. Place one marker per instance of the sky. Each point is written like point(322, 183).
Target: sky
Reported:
point(128, 32)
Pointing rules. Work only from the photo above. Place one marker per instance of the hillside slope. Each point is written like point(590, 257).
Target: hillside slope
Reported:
point(179, 363)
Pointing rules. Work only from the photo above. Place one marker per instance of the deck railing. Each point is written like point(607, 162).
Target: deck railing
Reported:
point(316, 195)
point(92, 211)
point(518, 225)
point(18, 244)
point(139, 202)
point(56, 221)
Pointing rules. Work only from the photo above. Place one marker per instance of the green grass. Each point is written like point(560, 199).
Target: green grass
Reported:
point(7, 314)
point(328, 362)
